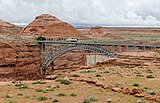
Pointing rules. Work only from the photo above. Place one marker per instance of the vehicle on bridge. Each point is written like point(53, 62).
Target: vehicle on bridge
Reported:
point(68, 39)
point(71, 40)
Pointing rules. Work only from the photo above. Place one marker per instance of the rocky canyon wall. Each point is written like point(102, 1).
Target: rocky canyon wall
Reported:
point(19, 61)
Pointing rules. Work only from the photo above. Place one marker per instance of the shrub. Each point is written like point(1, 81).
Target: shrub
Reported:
point(140, 75)
point(106, 72)
point(98, 75)
point(50, 89)
point(40, 38)
point(21, 86)
point(66, 82)
point(39, 90)
point(27, 97)
point(73, 95)
point(75, 75)
point(118, 85)
point(149, 71)
point(62, 94)
point(150, 76)
point(24, 87)
point(12, 102)
point(20, 94)
point(87, 71)
point(38, 82)
point(146, 88)
point(55, 100)
point(42, 98)
point(152, 92)
point(136, 84)
point(92, 98)
point(86, 101)
point(142, 89)
point(9, 96)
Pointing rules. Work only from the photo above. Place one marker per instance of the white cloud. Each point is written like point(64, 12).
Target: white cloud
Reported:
point(133, 16)
point(124, 12)
point(151, 18)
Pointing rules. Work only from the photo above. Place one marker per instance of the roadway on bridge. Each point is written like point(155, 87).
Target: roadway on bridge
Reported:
point(83, 42)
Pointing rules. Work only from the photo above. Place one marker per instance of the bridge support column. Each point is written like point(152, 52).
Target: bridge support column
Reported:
point(113, 49)
point(42, 52)
point(155, 48)
point(52, 64)
point(120, 49)
point(127, 48)
point(95, 58)
point(144, 48)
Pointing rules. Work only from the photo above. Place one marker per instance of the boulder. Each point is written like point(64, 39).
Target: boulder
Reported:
point(109, 100)
point(139, 95)
point(54, 86)
point(139, 101)
point(136, 91)
point(51, 77)
point(91, 81)
point(126, 91)
point(154, 98)
point(100, 84)
point(116, 89)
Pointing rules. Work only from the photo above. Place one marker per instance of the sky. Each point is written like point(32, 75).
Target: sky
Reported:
point(108, 12)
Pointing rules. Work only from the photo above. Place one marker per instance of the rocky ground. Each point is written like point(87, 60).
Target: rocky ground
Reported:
point(128, 78)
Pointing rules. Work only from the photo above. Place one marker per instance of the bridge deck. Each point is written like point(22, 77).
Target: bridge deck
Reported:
point(101, 43)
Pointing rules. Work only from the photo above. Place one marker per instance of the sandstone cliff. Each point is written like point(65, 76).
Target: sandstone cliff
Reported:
point(50, 27)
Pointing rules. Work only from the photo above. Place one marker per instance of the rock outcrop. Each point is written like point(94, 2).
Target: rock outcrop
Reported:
point(8, 28)
point(97, 31)
point(101, 32)
point(50, 27)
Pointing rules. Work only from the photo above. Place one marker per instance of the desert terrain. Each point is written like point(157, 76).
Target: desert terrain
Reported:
point(126, 35)
point(130, 77)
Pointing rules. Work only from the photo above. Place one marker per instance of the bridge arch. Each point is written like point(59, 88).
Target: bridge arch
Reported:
point(55, 54)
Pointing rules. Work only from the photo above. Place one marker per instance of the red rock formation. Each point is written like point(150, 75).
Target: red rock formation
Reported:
point(97, 31)
point(101, 32)
point(50, 27)
point(8, 28)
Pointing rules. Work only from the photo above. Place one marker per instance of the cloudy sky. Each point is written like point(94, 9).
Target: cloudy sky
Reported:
point(109, 12)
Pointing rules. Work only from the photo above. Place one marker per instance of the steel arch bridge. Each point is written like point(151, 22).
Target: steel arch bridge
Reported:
point(51, 54)
point(54, 55)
